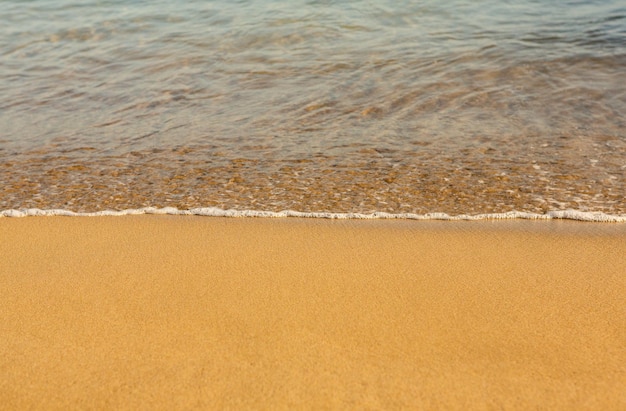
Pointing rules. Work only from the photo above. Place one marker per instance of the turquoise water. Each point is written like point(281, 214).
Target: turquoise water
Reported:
point(402, 107)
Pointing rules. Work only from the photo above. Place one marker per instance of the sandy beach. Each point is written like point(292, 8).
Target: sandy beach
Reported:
point(171, 312)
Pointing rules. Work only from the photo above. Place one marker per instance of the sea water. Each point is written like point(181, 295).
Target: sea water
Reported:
point(359, 108)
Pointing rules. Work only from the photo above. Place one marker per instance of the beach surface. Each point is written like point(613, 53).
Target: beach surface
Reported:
point(172, 312)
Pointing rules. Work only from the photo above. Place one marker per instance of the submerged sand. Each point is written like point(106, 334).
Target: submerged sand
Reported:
point(162, 312)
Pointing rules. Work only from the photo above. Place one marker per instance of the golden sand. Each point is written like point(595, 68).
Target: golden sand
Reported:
point(162, 312)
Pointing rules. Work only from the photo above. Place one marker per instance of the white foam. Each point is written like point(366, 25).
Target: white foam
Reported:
point(218, 212)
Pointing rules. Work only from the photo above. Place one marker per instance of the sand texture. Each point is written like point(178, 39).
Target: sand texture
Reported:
point(162, 312)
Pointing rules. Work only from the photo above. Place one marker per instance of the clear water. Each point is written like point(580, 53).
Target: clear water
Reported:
point(396, 106)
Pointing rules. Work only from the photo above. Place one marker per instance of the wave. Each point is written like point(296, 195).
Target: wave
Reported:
point(218, 212)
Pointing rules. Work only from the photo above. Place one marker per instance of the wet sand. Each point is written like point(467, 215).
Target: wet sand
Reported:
point(164, 312)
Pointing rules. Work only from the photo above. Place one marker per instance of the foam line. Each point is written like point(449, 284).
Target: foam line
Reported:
point(217, 212)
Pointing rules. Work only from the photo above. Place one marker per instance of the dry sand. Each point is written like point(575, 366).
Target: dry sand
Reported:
point(162, 312)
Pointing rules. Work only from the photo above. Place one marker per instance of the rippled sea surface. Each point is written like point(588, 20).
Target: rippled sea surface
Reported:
point(400, 106)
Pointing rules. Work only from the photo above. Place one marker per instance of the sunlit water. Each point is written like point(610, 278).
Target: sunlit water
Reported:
point(399, 106)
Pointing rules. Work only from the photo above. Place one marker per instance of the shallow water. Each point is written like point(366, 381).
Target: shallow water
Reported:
point(463, 107)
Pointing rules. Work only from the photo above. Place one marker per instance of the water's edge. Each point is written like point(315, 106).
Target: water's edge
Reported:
point(597, 217)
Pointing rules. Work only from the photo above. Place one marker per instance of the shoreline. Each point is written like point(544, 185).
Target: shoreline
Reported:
point(569, 214)
point(186, 312)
